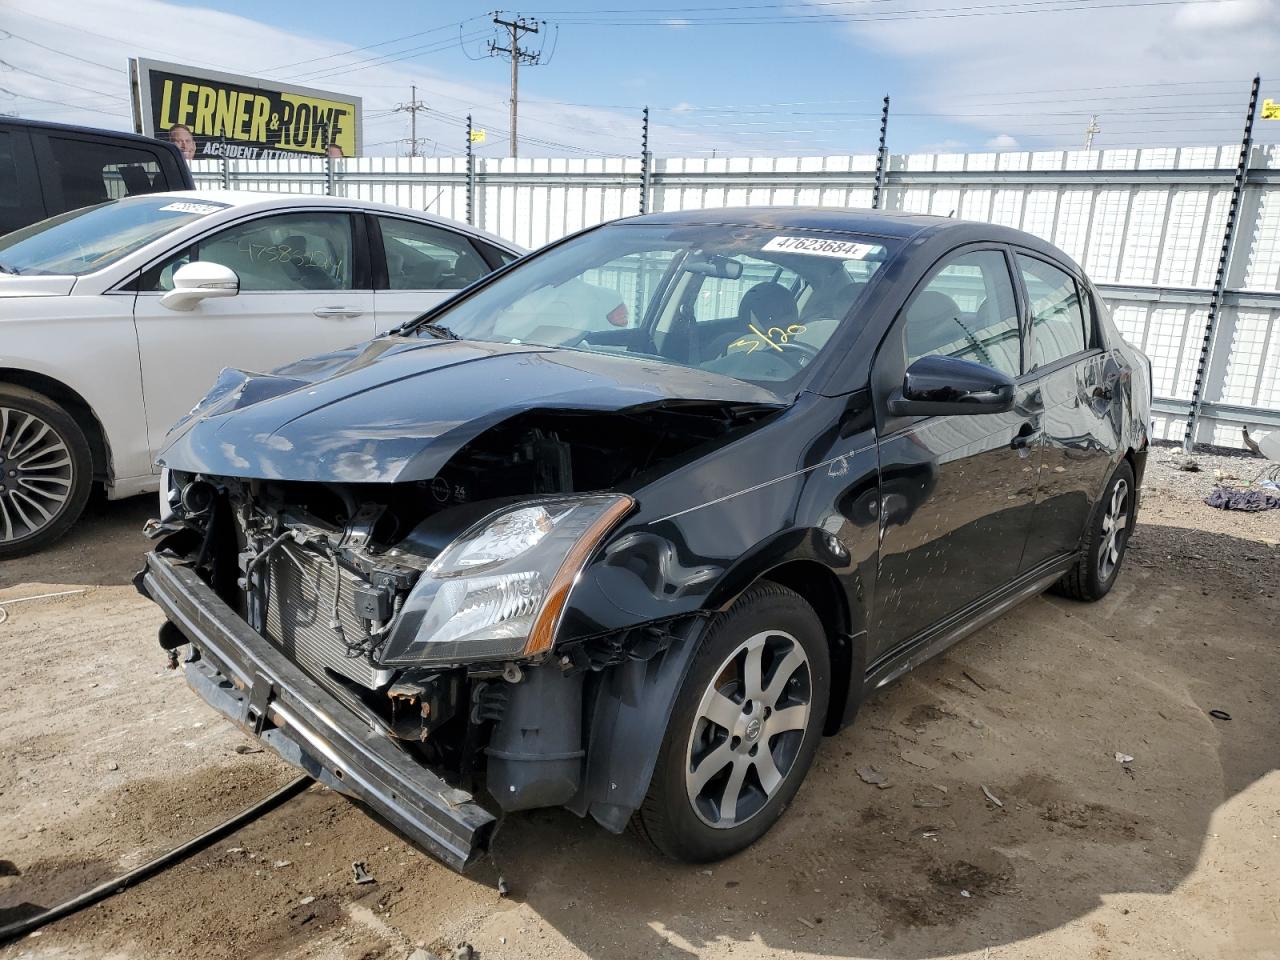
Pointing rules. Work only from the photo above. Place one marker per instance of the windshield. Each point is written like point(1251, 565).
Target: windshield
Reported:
point(91, 238)
point(757, 304)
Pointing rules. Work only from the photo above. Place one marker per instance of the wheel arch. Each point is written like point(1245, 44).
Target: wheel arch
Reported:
point(801, 561)
point(76, 406)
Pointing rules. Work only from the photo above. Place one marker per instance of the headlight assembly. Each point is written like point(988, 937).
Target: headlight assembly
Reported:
point(498, 591)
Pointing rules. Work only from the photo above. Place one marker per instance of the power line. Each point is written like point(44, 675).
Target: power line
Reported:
point(61, 103)
point(370, 46)
point(383, 60)
point(1003, 8)
point(66, 83)
point(10, 35)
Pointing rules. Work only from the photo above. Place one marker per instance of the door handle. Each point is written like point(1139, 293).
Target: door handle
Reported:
point(1025, 436)
point(342, 313)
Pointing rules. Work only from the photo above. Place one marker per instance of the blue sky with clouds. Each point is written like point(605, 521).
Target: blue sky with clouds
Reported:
point(801, 78)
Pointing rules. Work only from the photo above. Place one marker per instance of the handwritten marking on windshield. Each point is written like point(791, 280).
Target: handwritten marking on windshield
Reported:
point(774, 337)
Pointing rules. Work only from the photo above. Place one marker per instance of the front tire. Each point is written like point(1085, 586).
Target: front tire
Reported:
point(46, 471)
point(1105, 542)
point(744, 730)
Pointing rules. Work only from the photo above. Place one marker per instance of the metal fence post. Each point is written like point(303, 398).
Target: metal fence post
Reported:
point(646, 163)
point(1224, 269)
point(226, 172)
point(471, 176)
point(329, 177)
point(882, 158)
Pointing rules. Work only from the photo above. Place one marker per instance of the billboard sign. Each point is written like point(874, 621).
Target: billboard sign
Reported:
point(209, 114)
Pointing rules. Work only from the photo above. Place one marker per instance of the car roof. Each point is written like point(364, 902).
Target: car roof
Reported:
point(261, 200)
point(890, 224)
point(80, 129)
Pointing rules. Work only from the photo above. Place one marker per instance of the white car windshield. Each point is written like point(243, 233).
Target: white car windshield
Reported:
point(82, 241)
point(753, 303)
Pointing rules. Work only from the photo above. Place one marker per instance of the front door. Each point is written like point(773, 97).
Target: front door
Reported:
point(304, 290)
point(956, 492)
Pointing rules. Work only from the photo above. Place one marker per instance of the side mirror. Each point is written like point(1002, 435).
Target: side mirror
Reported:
point(946, 386)
point(198, 281)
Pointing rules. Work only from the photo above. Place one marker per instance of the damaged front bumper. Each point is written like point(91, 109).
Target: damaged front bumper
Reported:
point(251, 682)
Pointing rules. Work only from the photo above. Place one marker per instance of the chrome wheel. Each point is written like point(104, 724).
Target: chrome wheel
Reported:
point(36, 474)
point(748, 729)
point(1115, 527)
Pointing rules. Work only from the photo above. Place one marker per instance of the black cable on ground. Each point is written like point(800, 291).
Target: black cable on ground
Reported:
point(103, 890)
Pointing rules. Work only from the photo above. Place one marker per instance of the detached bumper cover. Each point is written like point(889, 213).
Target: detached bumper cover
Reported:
point(248, 680)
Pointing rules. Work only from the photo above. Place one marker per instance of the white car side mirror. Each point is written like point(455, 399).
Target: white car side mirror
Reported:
point(198, 281)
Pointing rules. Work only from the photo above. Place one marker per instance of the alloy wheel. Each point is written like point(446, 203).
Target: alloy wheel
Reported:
point(748, 729)
point(36, 474)
point(1115, 527)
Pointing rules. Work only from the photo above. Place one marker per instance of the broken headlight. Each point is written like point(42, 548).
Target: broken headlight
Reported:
point(497, 592)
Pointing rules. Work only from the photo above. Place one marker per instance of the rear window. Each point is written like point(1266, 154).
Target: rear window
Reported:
point(88, 172)
point(91, 238)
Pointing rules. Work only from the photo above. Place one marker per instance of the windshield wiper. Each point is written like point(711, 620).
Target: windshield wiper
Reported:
point(438, 330)
point(5, 268)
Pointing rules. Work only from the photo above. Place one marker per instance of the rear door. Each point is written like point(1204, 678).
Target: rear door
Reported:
point(417, 264)
point(1079, 437)
point(956, 492)
point(304, 290)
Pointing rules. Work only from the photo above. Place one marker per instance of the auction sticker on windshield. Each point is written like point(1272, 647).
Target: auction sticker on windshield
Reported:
point(821, 247)
point(186, 206)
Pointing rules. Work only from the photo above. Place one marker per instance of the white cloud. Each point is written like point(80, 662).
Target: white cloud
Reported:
point(1023, 75)
point(1002, 142)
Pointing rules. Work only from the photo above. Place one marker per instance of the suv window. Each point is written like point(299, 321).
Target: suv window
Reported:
point(9, 190)
point(967, 310)
point(423, 257)
point(1057, 321)
point(89, 172)
point(289, 252)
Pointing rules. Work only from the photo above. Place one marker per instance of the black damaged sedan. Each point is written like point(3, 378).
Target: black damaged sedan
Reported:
point(629, 525)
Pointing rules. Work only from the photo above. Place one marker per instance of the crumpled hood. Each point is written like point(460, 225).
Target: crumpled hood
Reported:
point(397, 409)
point(36, 285)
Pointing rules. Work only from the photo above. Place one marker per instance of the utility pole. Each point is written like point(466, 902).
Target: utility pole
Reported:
point(1089, 131)
point(412, 108)
point(517, 54)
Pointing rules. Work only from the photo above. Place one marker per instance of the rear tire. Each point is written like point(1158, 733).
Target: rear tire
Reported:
point(744, 729)
point(1103, 549)
point(46, 471)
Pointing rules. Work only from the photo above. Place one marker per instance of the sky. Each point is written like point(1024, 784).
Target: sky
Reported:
point(721, 77)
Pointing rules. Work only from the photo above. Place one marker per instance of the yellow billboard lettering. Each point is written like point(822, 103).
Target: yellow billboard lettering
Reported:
point(185, 106)
point(166, 99)
point(258, 129)
point(241, 131)
point(205, 100)
point(225, 120)
point(1270, 110)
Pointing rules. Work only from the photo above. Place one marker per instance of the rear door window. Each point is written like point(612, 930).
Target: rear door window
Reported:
point(85, 172)
point(421, 256)
point(1057, 320)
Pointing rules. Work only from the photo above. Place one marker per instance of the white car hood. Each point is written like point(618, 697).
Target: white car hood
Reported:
point(38, 286)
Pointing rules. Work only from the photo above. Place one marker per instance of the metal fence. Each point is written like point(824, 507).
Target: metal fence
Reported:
point(1147, 225)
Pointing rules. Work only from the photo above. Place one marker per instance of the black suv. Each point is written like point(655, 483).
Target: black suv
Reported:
point(49, 168)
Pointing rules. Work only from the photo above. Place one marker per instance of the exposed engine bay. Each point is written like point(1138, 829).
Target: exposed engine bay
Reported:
point(327, 572)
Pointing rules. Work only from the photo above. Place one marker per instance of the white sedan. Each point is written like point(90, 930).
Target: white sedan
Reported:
point(115, 319)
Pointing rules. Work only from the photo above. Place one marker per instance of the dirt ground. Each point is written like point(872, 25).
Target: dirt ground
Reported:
point(107, 759)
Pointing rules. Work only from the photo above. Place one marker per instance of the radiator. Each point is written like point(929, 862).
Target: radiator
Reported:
point(298, 611)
